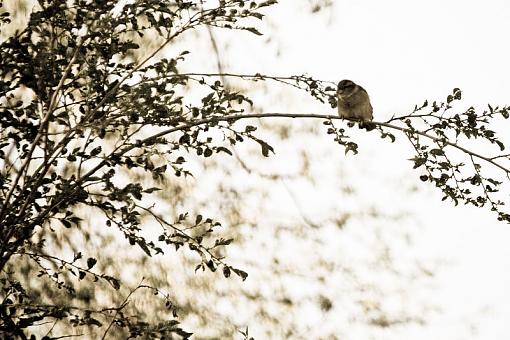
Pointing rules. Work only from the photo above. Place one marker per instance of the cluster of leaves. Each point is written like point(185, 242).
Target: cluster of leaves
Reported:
point(341, 137)
point(319, 5)
point(19, 312)
point(433, 128)
point(93, 116)
point(436, 131)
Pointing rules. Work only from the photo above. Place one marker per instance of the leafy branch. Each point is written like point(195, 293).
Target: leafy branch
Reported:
point(100, 110)
point(408, 131)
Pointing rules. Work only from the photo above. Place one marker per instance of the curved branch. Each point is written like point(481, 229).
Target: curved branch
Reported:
point(120, 307)
point(321, 116)
point(121, 151)
point(455, 145)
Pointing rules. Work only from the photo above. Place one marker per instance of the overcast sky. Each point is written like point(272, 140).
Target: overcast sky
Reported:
point(402, 52)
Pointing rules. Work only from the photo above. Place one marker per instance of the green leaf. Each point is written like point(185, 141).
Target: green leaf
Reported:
point(92, 321)
point(389, 135)
point(96, 151)
point(185, 335)
point(91, 262)
point(115, 283)
point(150, 190)
point(457, 93)
point(350, 146)
point(185, 139)
point(208, 152)
point(242, 274)
point(211, 266)
point(265, 147)
point(267, 3)
point(418, 161)
point(437, 152)
point(253, 30)
point(144, 247)
point(208, 98)
point(224, 149)
point(226, 271)
point(223, 242)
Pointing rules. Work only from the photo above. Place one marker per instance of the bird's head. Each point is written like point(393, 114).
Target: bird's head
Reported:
point(346, 87)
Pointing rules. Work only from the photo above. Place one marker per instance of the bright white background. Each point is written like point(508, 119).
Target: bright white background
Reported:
point(402, 52)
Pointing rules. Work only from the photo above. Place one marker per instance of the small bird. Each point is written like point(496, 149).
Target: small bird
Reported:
point(353, 101)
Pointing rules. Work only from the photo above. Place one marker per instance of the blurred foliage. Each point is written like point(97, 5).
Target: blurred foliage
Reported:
point(319, 5)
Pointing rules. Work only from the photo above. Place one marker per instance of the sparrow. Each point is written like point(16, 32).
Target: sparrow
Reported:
point(353, 101)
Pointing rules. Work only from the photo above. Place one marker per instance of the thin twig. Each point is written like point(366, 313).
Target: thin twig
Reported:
point(121, 306)
point(68, 336)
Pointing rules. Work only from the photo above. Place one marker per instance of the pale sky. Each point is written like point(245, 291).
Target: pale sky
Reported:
point(402, 52)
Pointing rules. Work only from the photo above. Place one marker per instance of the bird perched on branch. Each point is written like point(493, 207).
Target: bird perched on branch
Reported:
point(353, 101)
